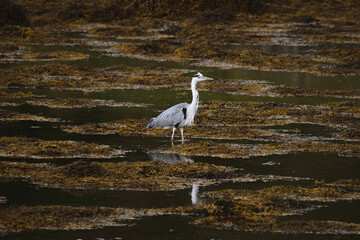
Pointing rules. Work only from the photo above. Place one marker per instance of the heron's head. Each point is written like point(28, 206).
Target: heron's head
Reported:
point(198, 77)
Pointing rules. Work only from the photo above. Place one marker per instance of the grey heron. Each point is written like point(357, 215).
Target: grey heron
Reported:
point(182, 114)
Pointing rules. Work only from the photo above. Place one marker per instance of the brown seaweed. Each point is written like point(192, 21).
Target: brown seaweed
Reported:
point(80, 103)
point(228, 150)
point(3, 199)
point(39, 149)
point(143, 176)
point(30, 218)
point(244, 120)
point(7, 115)
point(15, 95)
point(261, 210)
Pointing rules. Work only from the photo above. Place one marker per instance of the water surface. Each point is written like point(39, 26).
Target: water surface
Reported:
point(313, 166)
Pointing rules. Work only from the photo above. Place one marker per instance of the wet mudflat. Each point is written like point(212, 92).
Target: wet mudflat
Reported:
point(274, 152)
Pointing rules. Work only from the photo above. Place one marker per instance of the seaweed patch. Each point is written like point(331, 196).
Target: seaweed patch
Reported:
point(245, 120)
point(143, 176)
point(15, 95)
point(228, 150)
point(50, 56)
point(64, 77)
point(81, 103)
point(7, 115)
point(3, 199)
point(17, 147)
point(134, 127)
point(233, 58)
point(262, 210)
point(30, 218)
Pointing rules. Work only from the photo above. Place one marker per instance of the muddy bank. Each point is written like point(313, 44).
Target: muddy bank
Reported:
point(21, 147)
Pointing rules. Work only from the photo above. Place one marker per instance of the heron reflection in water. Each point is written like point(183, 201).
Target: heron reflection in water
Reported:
point(182, 114)
point(177, 158)
point(168, 157)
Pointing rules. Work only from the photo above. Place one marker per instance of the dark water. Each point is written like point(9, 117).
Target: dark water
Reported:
point(315, 166)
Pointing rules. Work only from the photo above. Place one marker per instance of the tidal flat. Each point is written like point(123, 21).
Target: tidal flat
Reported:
point(274, 151)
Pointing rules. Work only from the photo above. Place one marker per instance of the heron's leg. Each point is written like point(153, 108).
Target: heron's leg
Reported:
point(172, 136)
point(182, 134)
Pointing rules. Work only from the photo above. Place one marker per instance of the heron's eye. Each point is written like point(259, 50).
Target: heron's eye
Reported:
point(198, 75)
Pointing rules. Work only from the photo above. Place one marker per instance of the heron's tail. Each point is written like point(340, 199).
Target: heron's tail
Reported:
point(151, 123)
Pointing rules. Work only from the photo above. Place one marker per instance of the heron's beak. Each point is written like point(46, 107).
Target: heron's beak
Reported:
point(206, 79)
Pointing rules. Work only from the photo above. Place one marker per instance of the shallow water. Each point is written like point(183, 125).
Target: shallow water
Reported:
point(314, 166)
point(98, 59)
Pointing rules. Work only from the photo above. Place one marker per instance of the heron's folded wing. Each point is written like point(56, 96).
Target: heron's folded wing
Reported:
point(171, 116)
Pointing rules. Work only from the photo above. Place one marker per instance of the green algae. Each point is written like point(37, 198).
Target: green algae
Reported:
point(17, 147)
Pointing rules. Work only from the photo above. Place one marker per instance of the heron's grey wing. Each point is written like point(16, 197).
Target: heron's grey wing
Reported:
point(171, 116)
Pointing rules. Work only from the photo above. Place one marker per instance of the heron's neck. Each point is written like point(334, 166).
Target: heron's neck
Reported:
point(195, 94)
